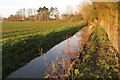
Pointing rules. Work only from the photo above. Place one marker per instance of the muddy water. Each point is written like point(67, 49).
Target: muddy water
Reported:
point(38, 67)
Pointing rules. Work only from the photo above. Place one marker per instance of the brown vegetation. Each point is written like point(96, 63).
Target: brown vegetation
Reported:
point(108, 16)
point(65, 65)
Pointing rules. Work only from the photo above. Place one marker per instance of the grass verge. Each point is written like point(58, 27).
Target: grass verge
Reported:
point(98, 58)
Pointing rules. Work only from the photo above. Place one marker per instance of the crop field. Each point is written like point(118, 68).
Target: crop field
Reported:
point(23, 41)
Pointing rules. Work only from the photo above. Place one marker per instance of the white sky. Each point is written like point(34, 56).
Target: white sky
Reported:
point(8, 7)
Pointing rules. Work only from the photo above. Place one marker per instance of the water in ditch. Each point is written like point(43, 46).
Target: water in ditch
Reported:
point(40, 66)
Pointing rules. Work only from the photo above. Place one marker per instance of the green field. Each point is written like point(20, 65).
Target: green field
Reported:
point(23, 40)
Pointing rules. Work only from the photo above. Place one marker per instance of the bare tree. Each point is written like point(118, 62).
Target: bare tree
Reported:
point(69, 10)
point(87, 11)
point(68, 13)
point(21, 14)
point(54, 13)
point(29, 12)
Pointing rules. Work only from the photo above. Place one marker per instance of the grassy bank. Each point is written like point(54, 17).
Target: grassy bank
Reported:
point(22, 41)
point(98, 58)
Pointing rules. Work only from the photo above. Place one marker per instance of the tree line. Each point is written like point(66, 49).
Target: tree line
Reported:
point(87, 12)
point(44, 14)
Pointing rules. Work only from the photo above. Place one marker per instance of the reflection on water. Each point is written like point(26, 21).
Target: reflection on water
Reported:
point(63, 52)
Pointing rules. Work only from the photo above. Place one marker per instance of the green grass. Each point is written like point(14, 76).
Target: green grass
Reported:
point(98, 58)
point(21, 40)
point(14, 29)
